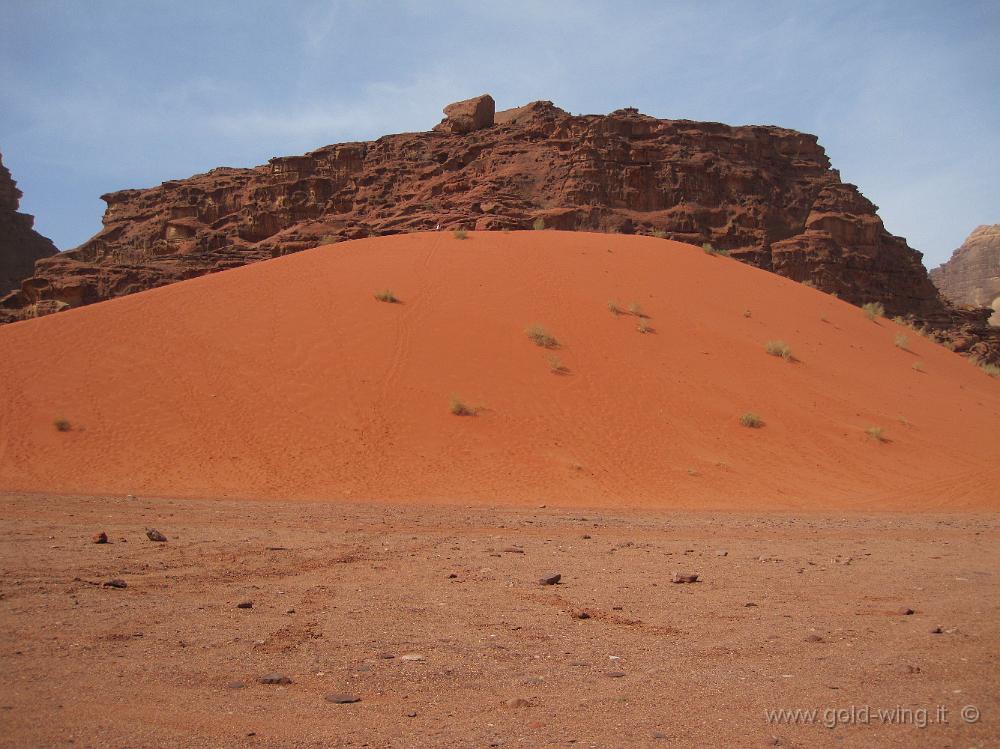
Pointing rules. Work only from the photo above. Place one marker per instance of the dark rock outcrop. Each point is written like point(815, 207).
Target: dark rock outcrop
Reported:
point(972, 274)
point(20, 244)
point(766, 194)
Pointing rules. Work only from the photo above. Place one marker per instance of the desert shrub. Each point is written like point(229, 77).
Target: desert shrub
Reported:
point(61, 424)
point(873, 310)
point(387, 296)
point(991, 369)
point(457, 407)
point(918, 367)
point(643, 326)
point(556, 366)
point(538, 224)
point(710, 250)
point(747, 313)
point(460, 234)
point(541, 337)
point(614, 308)
point(901, 340)
point(660, 234)
point(810, 283)
point(636, 309)
point(779, 348)
point(751, 420)
point(876, 433)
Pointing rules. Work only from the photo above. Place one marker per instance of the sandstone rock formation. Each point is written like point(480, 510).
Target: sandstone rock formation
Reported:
point(765, 193)
point(467, 116)
point(20, 244)
point(972, 275)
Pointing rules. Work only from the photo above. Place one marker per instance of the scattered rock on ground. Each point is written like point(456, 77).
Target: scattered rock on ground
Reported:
point(274, 679)
point(116, 583)
point(684, 577)
point(518, 702)
point(154, 535)
point(339, 698)
point(906, 611)
point(550, 579)
point(245, 605)
point(236, 685)
point(100, 538)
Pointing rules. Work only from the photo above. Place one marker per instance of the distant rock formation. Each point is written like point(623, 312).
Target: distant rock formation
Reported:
point(972, 275)
point(766, 194)
point(20, 244)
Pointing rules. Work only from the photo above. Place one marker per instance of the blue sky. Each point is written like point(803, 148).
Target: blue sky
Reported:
point(102, 95)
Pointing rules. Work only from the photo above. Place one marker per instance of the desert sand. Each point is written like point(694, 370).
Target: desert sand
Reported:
point(287, 497)
point(802, 612)
point(289, 379)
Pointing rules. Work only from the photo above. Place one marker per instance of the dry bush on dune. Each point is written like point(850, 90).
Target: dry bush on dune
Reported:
point(751, 420)
point(538, 224)
point(387, 296)
point(873, 310)
point(541, 337)
point(61, 424)
point(876, 433)
point(901, 340)
point(460, 234)
point(457, 407)
point(614, 308)
point(779, 348)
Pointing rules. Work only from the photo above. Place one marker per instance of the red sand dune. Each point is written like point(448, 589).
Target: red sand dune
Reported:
point(288, 379)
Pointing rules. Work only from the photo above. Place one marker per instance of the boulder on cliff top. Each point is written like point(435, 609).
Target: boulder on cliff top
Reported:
point(468, 116)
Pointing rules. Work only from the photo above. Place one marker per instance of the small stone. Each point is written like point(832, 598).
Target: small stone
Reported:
point(116, 583)
point(937, 631)
point(245, 605)
point(908, 669)
point(750, 605)
point(411, 657)
point(906, 611)
point(579, 663)
point(339, 698)
point(513, 550)
point(722, 553)
point(386, 656)
point(236, 685)
point(411, 714)
point(452, 576)
point(581, 615)
point(814, 638)
point(518, 702)
point(130, 496)
point(683, 577)
point(100, 538)
point(154, 535)
point(616, 674)
point(275, 679)
point(550, 579)
point(658, 735)
point(585, 537)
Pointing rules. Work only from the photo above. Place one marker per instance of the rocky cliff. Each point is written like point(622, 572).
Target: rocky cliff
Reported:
point(20, 244)
point(972, 275)
point(766, 194)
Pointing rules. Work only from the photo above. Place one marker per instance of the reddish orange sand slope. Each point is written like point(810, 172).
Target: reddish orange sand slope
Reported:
point(288, 379)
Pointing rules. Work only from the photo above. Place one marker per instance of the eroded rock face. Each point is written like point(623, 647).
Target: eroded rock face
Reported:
point(972, 275)
point(20, 244)
point(765, 193)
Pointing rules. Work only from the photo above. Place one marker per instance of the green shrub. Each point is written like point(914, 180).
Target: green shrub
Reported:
point(992, 370)
point(779, 348)
point(660, 234)
point(538, 224)
point(873, 310)
point(751, 420)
